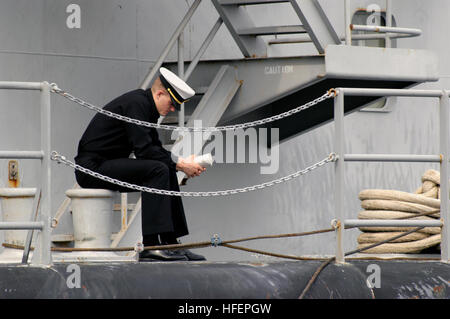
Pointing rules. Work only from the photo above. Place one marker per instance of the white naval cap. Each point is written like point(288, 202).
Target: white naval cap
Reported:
point(179, 91)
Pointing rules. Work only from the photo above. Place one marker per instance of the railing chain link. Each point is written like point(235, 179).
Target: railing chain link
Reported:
point(62, 159)
point(57, 90)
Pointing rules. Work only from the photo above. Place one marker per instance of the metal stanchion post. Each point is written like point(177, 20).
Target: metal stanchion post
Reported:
point(339, 183)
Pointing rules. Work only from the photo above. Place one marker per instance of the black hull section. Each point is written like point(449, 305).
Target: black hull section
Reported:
point(321, 114)
point(203, 280)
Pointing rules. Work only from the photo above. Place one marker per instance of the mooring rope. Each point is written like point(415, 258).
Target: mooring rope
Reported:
point(202, 244)
point(328, 261)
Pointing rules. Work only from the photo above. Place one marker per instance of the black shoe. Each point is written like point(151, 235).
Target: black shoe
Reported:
point(190, 255)
point(161, 255)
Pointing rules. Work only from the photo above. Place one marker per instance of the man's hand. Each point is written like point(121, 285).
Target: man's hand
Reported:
point(189, 167)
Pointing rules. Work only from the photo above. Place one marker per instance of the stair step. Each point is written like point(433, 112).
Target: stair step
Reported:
point(271, 30)
point(249, 2)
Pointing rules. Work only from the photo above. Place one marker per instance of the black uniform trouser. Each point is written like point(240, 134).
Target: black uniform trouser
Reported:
point(160, 213)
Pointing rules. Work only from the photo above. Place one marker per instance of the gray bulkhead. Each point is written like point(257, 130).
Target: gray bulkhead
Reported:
point(120, 40)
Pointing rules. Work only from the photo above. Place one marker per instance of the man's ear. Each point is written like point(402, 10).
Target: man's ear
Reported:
point(159, 93)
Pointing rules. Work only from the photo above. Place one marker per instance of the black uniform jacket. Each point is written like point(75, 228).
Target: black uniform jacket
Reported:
point(108, 138)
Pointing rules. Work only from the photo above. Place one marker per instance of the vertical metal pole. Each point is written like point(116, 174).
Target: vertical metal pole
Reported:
point(388, 22)
point(347, 18)
point(444, 147)
point(152, 74)
point(42, 253)
point(203, 48)
point(339, 183)
point(124, 211)
point(34, 214)
point(181, 74)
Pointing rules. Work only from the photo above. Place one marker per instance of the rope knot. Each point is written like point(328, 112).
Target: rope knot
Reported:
point(139, 247)
point(216, 240)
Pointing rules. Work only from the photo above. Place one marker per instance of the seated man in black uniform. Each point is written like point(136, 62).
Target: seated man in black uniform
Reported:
point(107, 143)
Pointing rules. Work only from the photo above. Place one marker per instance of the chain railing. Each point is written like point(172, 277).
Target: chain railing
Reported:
point(116, 116)
point(62, 159)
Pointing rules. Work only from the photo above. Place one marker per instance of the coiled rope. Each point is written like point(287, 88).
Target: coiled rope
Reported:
point(328, 261)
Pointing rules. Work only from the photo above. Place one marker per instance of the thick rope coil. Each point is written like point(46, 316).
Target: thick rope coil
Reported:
point(424, 204)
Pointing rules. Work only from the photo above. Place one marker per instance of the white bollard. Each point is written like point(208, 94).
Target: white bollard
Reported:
point(17, 206)
point(92, 213)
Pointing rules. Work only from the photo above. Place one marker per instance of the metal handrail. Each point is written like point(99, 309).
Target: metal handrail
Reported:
point(389, 31)
point(177, 35)
point(152, 74)
point(392, 158)
point(42, 253)
point(22, 154)
point(355, 37)
point(12, 85)
point(21, 225)
point(378, 28)
point(443, 159)
point(203, 48)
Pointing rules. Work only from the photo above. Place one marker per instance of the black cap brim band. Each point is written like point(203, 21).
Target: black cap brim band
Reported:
point(175, 104)
point(177, 100)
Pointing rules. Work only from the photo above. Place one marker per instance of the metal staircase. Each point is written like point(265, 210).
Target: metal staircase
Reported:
point(264, 82)
point(247, 36)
